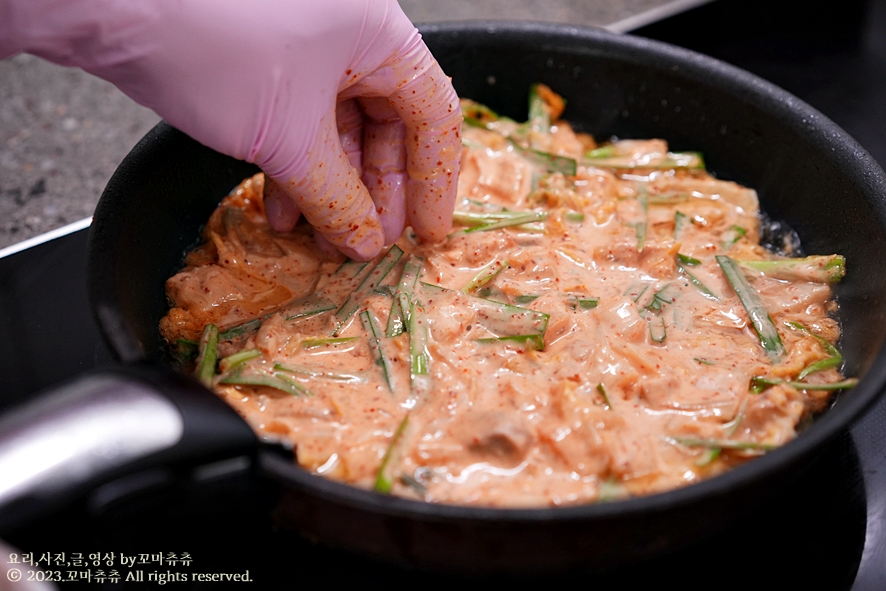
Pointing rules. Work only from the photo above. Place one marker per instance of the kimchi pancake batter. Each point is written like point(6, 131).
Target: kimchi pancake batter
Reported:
point(580, 335)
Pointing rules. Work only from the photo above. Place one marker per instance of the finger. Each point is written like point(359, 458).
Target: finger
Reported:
point(384, 164)
point(349, 121)
point(423, 96)
point(431, 111)
point(324, 245)
point(329, 193)
point(280, 210)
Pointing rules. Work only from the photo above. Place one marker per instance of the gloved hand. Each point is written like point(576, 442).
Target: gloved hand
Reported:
point(276, 82)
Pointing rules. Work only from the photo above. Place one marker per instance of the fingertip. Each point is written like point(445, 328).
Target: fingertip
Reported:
point(388, 196)
point(280, 209)
point(431, 227)
point(393, 224)
point(364, 246)
point(325, 246)
point(349, 122)
point(384, 164)
point(329, 193)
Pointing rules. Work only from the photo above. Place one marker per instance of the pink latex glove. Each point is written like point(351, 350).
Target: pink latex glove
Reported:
point(276, 82)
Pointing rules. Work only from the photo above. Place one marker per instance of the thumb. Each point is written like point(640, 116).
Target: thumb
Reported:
point(328, 192)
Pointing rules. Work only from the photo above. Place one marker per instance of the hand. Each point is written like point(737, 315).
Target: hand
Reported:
point(315, 93)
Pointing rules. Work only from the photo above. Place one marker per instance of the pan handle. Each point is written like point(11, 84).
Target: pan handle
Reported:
point(107, 426)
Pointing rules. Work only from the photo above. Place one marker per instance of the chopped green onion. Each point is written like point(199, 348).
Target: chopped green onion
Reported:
point(761, 383)
point(497, 317)
point(535, 227)
point(398, 319)
point(385, 290)
point(681, 222)
point(275, 380)
point(666, 295)
point(401, 320)
point(539, 117)
point(316, 343)
point(534, 181)
point(668, 198)
point(657, 329)
point(687, 260)
point(208, 355)
point(835, 358)
point(483, 218)
point(732, 235)
point(477, 114)
point(526, 299)
point(602, 390)
point(490, 292)
point(240, 330)
point(313, 373)
point(375, 347)
point(536, 341)
point(683, 160)
point(636, 290)
point(383, 480)
point(723, 444)
point(730, 428)
point(239, 358)
point(709, 455)
point(753, 305)
point(547, 161)
point(691, 160)
point(506, 320)
point(498, 222)
point(641, 226)
point(704, 289)
point(821, 269)
point(585, 303)
point(418, 341)
point(341, 282)
point(601, 152)
point(185, 350)
point(310, 306)
point(610, 490)
point(485, 276)
point(372, 280)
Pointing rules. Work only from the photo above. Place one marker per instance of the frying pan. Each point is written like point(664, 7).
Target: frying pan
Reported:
point(809, 174)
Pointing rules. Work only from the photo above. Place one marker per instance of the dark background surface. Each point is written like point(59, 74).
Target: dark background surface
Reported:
point(813, 535)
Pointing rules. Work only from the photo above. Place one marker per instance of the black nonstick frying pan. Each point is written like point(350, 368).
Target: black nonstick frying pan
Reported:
point(808, 173)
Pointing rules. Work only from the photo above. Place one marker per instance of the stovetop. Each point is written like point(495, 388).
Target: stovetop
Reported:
point(825, 531)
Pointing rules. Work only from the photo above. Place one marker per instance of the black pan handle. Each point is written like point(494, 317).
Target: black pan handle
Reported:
point(107, 426)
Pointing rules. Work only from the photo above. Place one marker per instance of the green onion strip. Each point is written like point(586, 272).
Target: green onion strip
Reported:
point(384, 482)
point(834, 359)
point(398, 319)
point(368, 286)
point(753, 305)
point(376, 348)
point(208, 356)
